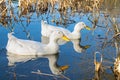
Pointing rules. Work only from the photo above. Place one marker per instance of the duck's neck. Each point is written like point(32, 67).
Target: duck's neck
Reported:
point(53, 62)
point(53, 40)
point(76, 45)
point(53, 46)
point(76, 29)
point(75, 34)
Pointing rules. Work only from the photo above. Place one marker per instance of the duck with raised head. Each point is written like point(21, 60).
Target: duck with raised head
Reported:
point(29, 47)
point(47, 29)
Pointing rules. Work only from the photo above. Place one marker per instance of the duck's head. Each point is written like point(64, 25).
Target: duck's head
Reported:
point(59, 70)
point(59, 34)
point(54, 66)
point(81, 25)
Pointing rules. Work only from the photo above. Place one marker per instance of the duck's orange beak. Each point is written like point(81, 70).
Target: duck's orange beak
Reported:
point(63, 68)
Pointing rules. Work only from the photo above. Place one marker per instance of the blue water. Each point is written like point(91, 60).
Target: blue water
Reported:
point(81, 65)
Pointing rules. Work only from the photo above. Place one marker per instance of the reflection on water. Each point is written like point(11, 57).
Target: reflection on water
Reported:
point(77, 47)
point(24, 17)
point(76, 44)
point(52, 59)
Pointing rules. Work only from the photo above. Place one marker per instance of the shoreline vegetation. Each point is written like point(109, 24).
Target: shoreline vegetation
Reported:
point(64, 8)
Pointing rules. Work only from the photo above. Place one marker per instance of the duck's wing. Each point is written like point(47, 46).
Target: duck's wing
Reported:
point(30, 46)
point(20, 46)
point(47, 29)
point(64, 30)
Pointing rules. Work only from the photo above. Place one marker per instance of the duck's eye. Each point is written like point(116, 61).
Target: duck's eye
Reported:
point(83, 24)
point(59, 32)
point(60, 71)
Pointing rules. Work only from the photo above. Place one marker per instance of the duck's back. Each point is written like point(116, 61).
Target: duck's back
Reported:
point(23, 47)
point(48, 29)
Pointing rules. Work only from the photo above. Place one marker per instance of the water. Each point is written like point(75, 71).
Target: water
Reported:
point(81, 64)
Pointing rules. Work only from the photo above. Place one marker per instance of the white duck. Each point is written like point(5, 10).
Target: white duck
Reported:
point(29, 47)
point(47, 29)
point(54, 67)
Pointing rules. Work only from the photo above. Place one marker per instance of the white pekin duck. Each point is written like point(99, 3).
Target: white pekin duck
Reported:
point(47, 29)
point(53, 65)
point(29, 47)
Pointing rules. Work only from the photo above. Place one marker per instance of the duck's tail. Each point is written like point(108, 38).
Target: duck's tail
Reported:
point(43, 22)
point(43, 27)
point(10, 35)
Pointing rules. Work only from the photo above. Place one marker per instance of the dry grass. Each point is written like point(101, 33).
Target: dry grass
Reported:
point(3, 14)
point(117, 68)
point(65, 8)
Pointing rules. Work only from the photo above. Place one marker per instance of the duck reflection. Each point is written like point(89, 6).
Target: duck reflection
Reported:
point(54, 67)
point(78, 47)
point(76, 43)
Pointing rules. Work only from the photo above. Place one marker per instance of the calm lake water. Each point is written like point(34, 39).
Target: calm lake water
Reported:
point(27, 25)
